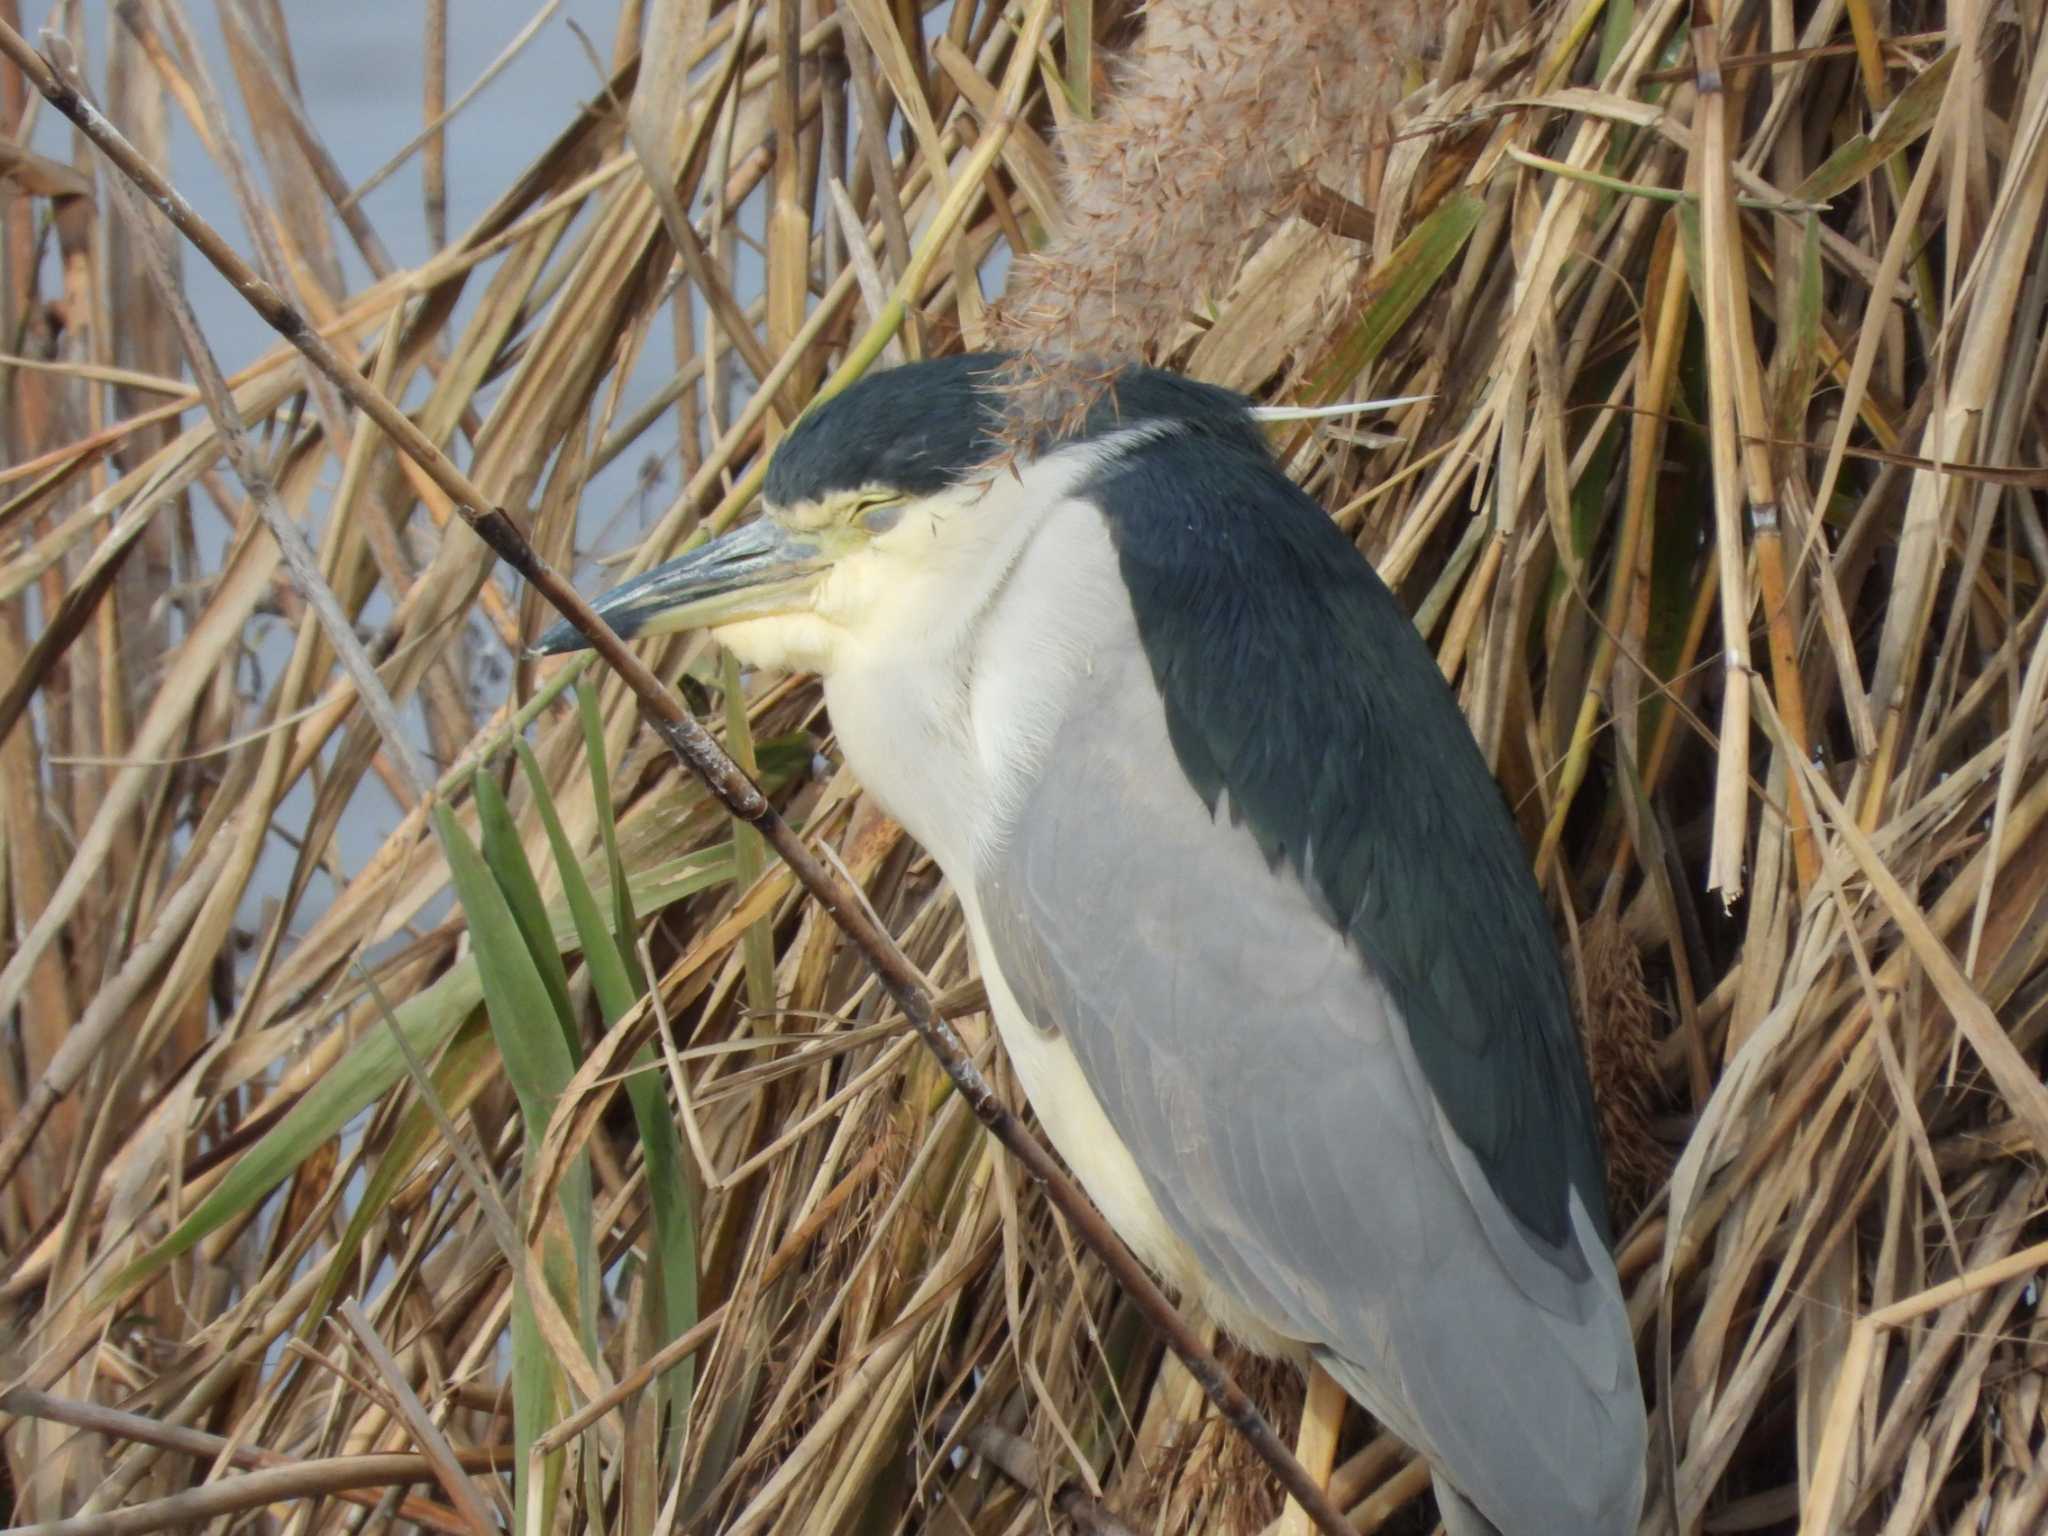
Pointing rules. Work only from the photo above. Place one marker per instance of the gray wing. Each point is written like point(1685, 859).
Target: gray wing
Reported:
point(1271, 1099)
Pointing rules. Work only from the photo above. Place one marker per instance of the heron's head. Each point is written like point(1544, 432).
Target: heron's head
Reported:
point(893, 506)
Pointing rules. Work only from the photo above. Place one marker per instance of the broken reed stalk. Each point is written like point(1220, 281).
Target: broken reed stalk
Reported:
point(245, 1493)
point(116, 1425)
point(695, 747)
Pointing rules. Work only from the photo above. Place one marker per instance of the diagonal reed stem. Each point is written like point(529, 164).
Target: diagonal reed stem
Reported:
point(688, 739)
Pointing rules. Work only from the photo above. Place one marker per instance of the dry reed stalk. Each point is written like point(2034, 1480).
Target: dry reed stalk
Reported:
point(1650, 314)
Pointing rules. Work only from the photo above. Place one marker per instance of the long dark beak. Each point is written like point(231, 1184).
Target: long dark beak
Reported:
point(760, 569)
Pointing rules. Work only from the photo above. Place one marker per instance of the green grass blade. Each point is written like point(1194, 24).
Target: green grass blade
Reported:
point(749, 849)
point(624, 925)
point(463, 1072)
point(355, 1082)
point(1399, 287)
point(1617, 26)
point(531, 1039)
point(614, 979)
point(618, 986)
point(522, 1014)
point(508, 865)
point(1906, 121)
point(375, 1063)
point(1077, 30)
point(537, 1402)
point(672, 1194)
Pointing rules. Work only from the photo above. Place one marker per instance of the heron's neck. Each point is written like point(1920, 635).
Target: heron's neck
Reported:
point(948, 729)
point(903, 737)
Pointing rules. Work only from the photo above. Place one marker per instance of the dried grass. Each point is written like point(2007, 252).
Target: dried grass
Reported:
point(1723, 516)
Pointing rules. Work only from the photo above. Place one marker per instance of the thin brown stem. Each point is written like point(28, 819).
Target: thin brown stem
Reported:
point(702, 755)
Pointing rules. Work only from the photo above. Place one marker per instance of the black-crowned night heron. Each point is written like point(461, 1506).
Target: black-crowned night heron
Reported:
point(1255, 925)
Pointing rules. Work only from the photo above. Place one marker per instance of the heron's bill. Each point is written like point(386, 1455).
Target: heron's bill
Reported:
point(752, 572)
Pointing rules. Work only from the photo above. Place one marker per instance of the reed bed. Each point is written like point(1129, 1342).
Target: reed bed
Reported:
point(555, 1165)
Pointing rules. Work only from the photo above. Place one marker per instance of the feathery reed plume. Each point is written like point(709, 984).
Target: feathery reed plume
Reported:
point(1226, 113)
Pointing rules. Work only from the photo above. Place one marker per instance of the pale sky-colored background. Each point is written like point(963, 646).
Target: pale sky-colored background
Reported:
point(359, 65)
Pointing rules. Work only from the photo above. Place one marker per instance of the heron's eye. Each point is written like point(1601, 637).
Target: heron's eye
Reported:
point(878, 513)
